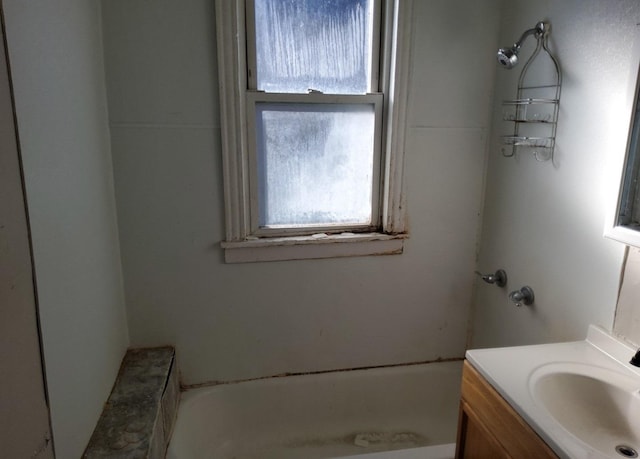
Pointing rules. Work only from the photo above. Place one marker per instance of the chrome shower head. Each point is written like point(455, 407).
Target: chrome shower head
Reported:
point(508, 57)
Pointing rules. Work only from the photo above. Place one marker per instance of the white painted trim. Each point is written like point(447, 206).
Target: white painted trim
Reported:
point(376, 44)
point(398, 49)
point(619, 159)
point(311, 247)
point(231, 33)
point(231, 52)
point(252, 64)
point(622, 234)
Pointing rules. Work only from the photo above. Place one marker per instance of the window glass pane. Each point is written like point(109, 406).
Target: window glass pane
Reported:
point(314, 44)
point(315, 163)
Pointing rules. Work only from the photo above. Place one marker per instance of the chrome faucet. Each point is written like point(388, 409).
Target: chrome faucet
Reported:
point(499, 277)
point(523, 296)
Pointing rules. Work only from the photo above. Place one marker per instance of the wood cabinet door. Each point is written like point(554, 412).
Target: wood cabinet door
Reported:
point(488, 427)
point(474, 440)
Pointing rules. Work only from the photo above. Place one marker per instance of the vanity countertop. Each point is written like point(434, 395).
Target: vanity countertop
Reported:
point(513, 372)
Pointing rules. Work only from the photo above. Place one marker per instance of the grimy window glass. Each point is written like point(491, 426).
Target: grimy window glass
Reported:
point(315, 164)
point(321, 45)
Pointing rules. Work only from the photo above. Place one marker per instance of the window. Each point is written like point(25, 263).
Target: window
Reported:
point(312, 95)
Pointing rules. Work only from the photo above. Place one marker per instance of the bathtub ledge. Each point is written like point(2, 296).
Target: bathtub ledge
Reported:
point(137, 419)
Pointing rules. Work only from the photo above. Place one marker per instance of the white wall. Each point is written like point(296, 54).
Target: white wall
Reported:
point(543, 223)
point(55, 51)
point(241, 321)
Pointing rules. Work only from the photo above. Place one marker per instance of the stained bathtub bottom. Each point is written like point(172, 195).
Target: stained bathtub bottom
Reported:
point(340, 448)
point(333, 449)
point(446, 451)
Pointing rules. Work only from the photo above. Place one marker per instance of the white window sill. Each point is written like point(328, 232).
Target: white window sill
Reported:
point(309, 247)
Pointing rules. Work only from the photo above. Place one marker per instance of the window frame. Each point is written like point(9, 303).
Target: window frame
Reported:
point(242, 242)
point(254, 97)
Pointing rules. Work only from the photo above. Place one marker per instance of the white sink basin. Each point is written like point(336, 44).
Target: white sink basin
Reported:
point(581, 397)
point(598, 406)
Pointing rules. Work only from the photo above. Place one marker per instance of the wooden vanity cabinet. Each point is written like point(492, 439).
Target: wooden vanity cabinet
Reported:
point(488, 428)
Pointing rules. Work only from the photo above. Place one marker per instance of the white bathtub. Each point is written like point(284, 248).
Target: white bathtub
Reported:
point(407, 411)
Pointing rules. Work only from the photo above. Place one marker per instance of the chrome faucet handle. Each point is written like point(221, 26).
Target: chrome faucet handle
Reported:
point(499, 277)
point(523, 296)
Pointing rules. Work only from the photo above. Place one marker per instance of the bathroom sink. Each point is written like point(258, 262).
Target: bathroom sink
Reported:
point(596, 405)
point(581, 397)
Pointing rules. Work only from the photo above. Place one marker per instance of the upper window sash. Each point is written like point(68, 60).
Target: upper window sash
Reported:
point(373, 52)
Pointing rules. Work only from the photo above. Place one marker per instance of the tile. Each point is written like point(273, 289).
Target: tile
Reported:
point(170, 400)
point(131, 425)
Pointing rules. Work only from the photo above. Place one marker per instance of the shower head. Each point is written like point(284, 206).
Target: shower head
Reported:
point(508, 57)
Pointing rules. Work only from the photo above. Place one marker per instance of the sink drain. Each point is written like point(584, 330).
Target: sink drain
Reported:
point(626, 451)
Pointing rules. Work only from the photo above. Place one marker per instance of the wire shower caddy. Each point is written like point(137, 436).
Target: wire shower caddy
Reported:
point(534, 111)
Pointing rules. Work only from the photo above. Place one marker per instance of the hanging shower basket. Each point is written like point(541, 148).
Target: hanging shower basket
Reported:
point(534, 111)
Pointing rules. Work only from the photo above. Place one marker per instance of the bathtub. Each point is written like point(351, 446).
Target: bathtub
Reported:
point(402, 412)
